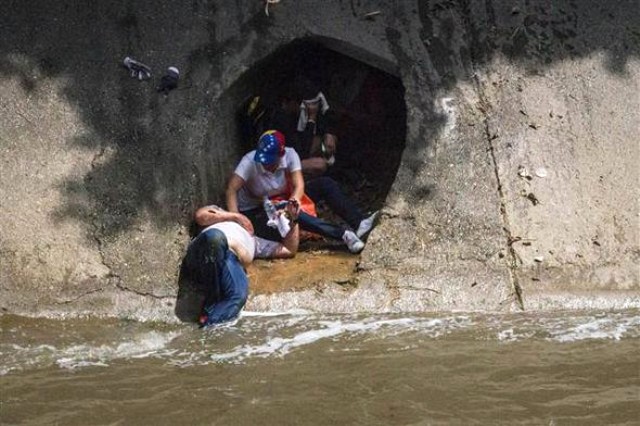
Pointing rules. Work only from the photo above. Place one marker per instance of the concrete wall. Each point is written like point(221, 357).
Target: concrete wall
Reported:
point(99, 174)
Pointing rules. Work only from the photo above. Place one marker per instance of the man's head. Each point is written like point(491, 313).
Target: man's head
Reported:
point(270, 149)
point(312, 98)
point(307, 90)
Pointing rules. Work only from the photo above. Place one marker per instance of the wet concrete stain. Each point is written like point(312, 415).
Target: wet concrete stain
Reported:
point(306, 270)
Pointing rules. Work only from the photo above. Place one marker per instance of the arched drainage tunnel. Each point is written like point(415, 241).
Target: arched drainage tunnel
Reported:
point(367, 103)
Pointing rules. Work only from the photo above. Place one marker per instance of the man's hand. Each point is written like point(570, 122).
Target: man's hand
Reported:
point(207, 216)
point(330, 142)
point(243, 221)
point(292, 209)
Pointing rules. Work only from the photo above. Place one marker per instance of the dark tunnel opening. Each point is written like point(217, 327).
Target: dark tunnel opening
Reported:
point(367, 103)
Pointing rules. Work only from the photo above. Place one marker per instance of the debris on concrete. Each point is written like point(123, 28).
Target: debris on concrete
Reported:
point(169, 81)
point(514, 240)
point(371, 15)
point(541, 172)
point(137, 69)
point(539, 259)
point(268, 3)
point(523, 172)
point(531, 197)
point(525, 241)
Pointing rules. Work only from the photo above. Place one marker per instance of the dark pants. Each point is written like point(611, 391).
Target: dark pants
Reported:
point(258, 219)
point(213, 266)
point(327, 189)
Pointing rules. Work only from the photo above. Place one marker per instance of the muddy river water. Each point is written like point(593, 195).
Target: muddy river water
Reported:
point(302, 368)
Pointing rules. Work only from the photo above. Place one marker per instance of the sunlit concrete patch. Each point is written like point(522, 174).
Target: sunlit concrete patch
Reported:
point(41, 156)
point(448, 106)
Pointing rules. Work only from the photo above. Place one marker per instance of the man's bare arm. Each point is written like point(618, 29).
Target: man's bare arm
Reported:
point(207, 216)
point(297, 182)
point(234, 185)
point(289, 245)
point(292, 240)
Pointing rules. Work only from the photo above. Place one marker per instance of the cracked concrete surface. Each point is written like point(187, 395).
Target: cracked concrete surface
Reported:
point(511, 259)
point(99, 174)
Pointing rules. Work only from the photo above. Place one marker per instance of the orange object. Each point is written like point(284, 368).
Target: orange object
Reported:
point(306, 204)
point(309, 207)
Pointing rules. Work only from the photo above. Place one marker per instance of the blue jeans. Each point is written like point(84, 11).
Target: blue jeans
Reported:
point(327, 189)
point(318, 189)
point(320, 227)
point(215, 267)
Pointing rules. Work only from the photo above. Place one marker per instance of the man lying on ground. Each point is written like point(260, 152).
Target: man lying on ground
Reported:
point(217, 257)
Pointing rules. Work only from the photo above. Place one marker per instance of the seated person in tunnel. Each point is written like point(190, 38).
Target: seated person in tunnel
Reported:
point(309, 127)
point(216, 258)
point(273, 170)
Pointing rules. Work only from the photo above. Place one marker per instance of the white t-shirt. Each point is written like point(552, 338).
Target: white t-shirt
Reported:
point(240, 240)
point(260, 182)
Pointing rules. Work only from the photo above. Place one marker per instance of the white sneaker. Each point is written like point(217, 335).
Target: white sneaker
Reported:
point(352, 241)
point(366, 225)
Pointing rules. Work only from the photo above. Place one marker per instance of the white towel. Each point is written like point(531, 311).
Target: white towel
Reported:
point(303, 118)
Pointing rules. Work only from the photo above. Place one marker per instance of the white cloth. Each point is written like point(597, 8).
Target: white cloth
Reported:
point(260, 183)
point(303, 118)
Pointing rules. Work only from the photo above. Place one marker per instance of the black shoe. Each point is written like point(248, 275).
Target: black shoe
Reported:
point(169, 81)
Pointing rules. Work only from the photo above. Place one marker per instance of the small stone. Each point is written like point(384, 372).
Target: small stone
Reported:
point(539, 259)
point(541, 172)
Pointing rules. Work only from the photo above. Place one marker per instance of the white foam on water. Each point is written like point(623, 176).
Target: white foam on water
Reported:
point(281, 346)
point(292, 312)
point(277, 345)
point(513, 335)
point(259, 335)
point(566, 328)
point(141, 346)
point(506, 335)
point(598, 329)
point(17, 358)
